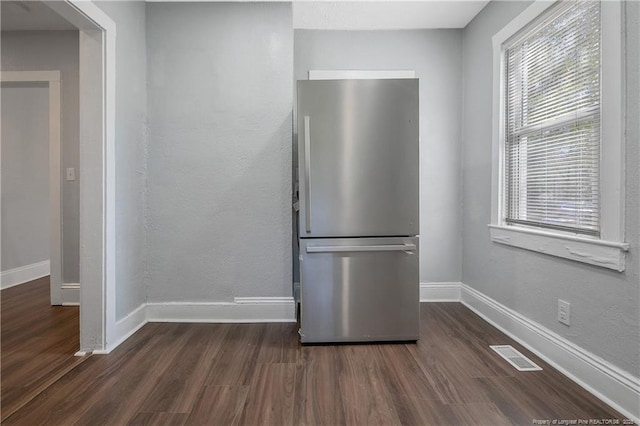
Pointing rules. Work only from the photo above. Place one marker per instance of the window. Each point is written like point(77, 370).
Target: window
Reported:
point(552, 120)
point(557, 132)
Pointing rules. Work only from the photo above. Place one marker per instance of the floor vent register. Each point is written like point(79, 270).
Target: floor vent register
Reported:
point(515, 358)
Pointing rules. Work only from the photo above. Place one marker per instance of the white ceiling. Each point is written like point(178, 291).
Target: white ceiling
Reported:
point(307, 14)
point(30, 16)
point(377, 14)
point(384, 15)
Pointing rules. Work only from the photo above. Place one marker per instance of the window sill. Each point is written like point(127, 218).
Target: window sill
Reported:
point(607, 254)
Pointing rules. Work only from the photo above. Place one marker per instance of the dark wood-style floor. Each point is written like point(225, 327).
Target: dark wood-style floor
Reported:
point(222, 374)
point(38, 342)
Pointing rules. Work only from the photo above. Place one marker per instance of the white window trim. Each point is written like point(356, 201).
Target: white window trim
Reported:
point(608, 251)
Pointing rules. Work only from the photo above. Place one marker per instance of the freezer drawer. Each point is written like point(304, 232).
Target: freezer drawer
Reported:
point(359, 289)
point(358, 158)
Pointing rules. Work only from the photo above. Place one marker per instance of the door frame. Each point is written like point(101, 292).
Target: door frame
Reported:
point(97, 95)
point(52, 78)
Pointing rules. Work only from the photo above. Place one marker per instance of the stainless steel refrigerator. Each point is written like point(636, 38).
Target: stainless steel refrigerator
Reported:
point(358, 210)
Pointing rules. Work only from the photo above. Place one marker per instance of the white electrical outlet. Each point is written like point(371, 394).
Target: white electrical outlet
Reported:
point(564, 312)
point(71, 173)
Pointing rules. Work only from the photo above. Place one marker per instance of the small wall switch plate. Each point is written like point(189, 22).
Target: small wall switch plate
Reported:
point(71, 173)
point(564, 312)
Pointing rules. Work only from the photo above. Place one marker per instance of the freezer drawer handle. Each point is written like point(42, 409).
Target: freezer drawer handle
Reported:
point(307, 173)
point(338, 249)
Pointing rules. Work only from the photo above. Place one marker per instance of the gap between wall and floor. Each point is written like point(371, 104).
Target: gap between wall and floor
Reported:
point(612, 385)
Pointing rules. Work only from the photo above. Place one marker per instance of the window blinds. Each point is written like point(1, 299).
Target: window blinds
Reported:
point(552, 121)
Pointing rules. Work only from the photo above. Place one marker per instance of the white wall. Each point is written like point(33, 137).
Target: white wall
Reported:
point(436, 58)
point(25, 174)
point(55, 50)
point(130, 153)
point(219, 177)
point(604, 303)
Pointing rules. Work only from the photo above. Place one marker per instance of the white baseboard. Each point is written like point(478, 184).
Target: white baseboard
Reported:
point(70, 294)
point(612, 385)
point(126, 327)
point(440, 292)
point(24, 274)
point(241, 310)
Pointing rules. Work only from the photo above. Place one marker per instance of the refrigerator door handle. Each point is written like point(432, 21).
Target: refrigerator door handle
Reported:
point(382, 247)
point(307, 173)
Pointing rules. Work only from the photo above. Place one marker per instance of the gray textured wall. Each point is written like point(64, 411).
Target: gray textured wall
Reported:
point(436, 57)
point(130, 153)
point(220, 101)
point(55, 50)
point(604, 303)
point(25, 174)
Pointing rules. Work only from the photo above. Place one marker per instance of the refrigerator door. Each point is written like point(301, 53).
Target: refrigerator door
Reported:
point(358, 157)
point(359, 289)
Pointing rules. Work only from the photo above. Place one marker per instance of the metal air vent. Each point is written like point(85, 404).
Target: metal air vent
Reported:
point(515, 358)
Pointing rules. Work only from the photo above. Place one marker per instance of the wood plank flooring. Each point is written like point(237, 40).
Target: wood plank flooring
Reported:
point(255, 374)
point(38, 342)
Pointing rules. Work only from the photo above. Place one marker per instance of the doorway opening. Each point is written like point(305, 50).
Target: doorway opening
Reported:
point(27, 138)
point(95, 322)
point(96, 128)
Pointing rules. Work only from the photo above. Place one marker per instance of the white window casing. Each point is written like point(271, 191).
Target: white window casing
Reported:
point(607, 248)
